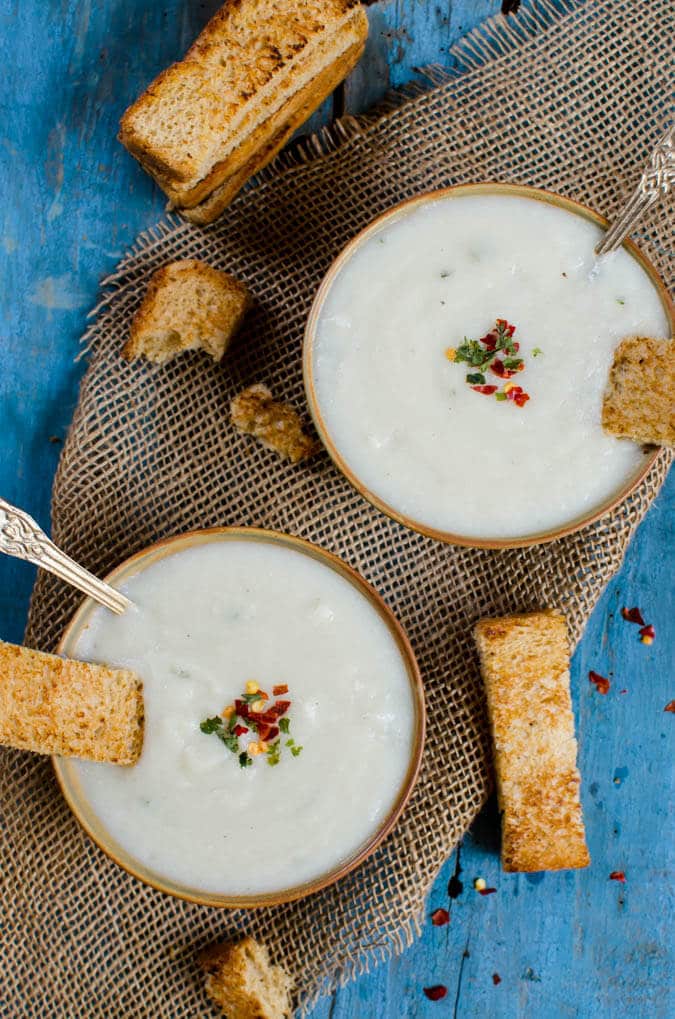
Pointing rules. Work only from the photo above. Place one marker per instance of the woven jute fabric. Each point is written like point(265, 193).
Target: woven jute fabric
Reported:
point(570, 102)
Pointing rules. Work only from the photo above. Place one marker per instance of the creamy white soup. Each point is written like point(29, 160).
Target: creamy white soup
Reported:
point(402, 415)
point(207, 621)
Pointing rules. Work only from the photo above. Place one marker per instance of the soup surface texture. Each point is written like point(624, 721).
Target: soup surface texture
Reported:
point(206, 620)
point(402, 416)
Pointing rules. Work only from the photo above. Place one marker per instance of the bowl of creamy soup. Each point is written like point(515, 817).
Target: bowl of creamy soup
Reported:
point(455, 359)
point(284, 719)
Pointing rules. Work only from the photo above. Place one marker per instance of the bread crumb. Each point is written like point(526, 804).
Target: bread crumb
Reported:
point(276, 425)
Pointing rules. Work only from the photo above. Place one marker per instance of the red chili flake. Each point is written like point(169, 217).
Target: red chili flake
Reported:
point(521, 399)
point(618, 875)
point(486, 891)
point(279, 689)
point(489, 340)
point(436, 992)
point(623, 691)
point(506, 326)
point(267, 732)
point(440, 917)
point(500, 369)
point(496, 979)
point(647, 634)
point(670, 707)
point(485, 390)
point(241, 708)
point(239, 730)
point(280, 707)
point(633, 616)
point(601, 684)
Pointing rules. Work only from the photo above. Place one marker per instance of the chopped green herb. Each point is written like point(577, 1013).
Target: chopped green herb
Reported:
point(444, 275)
point(210, 725)
point(476, 379)
point(244, 760)
point(537, 351)
point(513, 363)
point(274, 753)
point(500, 396)
point(230, 741)
point(284, 724)
point(473, 354)
point(619, 300)
point(290, 742)
point(296, 750)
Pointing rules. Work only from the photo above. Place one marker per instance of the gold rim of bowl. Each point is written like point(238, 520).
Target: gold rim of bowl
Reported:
point(397, 212)
point(65, 768)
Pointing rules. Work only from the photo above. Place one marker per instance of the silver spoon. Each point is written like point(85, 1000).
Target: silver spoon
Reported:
point(656, 181)
point(20, 536)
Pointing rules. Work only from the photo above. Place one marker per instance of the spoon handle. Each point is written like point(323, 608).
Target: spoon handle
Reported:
point(20, 536)
point(656, 181)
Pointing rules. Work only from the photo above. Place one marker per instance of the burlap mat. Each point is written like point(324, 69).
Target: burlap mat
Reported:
point(571, 104)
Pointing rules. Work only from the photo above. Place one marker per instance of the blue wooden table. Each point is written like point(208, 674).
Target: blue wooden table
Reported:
point(571, 944)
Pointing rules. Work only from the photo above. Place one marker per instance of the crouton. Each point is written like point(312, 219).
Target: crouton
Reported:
point(243, 982)
point(188, 306)
point(276, 425)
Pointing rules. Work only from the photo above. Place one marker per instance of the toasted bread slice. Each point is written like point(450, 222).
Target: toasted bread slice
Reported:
point(275, 424)
point(243, 982)
point(53, 705)
point(639, 402)
point(525, 667)
point(188, 306)
point(192, 127)
point(267, 140)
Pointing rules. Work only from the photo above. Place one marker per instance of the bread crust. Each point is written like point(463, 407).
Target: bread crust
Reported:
point(525, 667)
point(244, 68)
point(242, 981)
point(53, 705)
point(276, 425)
point(639, 402)
point(188, 305)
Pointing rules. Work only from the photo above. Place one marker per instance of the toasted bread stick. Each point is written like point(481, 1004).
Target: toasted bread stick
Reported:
point(639, 402)
point(525, 667)
point(54, 705)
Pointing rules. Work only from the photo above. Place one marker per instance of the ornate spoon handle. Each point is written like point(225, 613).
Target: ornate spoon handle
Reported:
point(21, 537)
point(656, 181)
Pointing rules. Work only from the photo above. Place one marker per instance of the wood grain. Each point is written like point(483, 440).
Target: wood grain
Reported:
point(564, 945)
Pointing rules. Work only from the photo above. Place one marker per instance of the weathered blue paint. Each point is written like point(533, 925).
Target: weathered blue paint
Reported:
point(566, 945)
